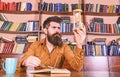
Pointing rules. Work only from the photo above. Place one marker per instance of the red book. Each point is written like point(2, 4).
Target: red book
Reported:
point(4, 6)
point(12, 6)
point(4, 48)
point(1, 5)
point(11, 46)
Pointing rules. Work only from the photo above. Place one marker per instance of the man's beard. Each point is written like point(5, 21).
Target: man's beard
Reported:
point(55, 39)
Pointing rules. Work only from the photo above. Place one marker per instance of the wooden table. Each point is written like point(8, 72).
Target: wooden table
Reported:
point(73, 74)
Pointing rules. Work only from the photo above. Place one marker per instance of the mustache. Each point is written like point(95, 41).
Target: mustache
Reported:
point(57, 35)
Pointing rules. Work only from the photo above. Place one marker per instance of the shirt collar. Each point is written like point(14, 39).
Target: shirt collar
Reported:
point(43, 42)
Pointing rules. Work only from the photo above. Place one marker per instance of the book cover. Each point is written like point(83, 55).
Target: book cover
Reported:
point(28, 6)
point(2, 17)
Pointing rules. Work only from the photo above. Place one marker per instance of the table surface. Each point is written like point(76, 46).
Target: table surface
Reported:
point(73, 74)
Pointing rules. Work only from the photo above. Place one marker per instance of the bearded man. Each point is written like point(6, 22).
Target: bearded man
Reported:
point(51, 51)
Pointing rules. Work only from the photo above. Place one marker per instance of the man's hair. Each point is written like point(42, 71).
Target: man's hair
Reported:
point(51, 19)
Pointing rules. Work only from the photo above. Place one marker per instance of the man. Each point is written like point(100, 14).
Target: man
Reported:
point(51, 51)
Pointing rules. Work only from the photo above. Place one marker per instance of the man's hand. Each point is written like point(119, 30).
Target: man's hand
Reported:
point(80, 35)
point(32, 61)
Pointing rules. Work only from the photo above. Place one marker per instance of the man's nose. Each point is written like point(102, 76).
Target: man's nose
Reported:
point(57, 30)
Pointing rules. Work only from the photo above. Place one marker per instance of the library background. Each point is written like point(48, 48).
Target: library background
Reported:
point(21, 24)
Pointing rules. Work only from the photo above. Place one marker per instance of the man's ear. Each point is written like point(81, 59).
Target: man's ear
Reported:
point(45, 30)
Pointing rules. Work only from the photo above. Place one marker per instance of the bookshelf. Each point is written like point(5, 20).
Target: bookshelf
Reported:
point(24, 16)
point(19, 14)
point(102, 63)
point(108, 18)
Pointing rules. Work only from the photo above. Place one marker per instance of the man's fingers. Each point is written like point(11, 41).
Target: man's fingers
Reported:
point(32, 61)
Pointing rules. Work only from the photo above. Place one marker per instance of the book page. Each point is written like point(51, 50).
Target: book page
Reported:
point(50, 71)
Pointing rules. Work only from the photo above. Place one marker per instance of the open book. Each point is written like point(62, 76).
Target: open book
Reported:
point(50, 71)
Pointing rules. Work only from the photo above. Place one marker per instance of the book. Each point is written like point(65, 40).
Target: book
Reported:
point(118, 21)
point(28, 6)
point(2, 17)
point(50, 75)
point(50, 71)
point(99, 20)
point(6, 39)
point(18, 48)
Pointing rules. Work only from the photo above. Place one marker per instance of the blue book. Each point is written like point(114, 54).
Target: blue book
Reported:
point(103, 49)
point(108, 50)
point(118, 8)
point(35, 25)
point(59, 7)
point(4, 25)
point(44, 6)
point(28, 6)
point(118, 50)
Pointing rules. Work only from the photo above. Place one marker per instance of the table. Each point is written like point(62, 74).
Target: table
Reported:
point(73, 74)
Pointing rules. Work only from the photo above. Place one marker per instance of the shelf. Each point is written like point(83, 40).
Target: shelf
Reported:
point(4, 55)
point(102, 14)
point(96, 33)
point(20, 12)
point(59, 13)
point(10, 54)
point(56, 13)
point(14, 32)
point(93, 33)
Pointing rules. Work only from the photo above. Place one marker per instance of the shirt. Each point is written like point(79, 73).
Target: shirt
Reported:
point(57, 57)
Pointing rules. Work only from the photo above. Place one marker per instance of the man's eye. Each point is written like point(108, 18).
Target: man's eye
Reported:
point(58, 27)
point(54, 27)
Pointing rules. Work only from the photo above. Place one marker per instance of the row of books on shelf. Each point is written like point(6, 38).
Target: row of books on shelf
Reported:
point(102, 50)
point(63, 7)
point(102, 8)
point(15, 6)
point(25, 39)
point(14, 26)
point(30, 26)
point(54, 7)
point(103, 28)
point(99, 48)
point(94, 27)
point(14, 48)
point(17, 46)
point(90, 50)
point(21, 43)
point(59, 7)
point(97, 8)
point(66, 27)
point(19, 39)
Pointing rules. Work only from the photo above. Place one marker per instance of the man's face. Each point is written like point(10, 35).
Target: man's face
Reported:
point(53, 34)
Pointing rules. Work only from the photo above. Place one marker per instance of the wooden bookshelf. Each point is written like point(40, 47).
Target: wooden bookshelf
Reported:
point(56, 13)
point(19, 12)
point(91, 63)
point(106, 34)
point(101, 14)
point(21, 32)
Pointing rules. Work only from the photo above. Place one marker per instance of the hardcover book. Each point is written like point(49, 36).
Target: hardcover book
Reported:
point(50, 71)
